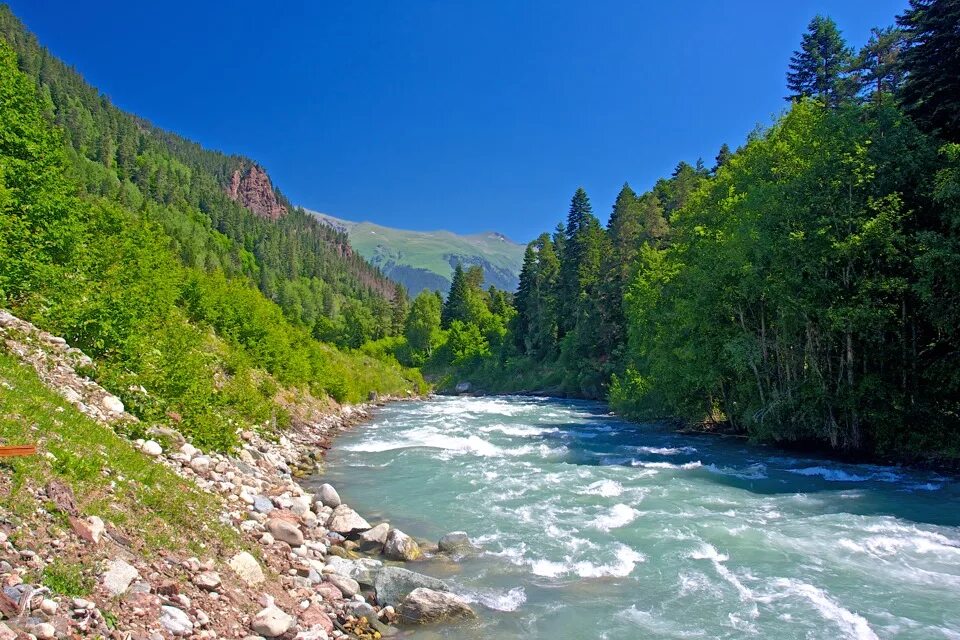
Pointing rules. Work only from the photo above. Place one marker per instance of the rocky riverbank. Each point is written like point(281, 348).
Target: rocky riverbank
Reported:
point(292, 565)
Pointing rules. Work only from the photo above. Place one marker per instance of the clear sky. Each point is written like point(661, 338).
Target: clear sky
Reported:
point(471, 116)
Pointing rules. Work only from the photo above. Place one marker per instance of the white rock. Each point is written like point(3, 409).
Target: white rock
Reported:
point(189, 450)
point(300, 504)
point(175, 621)
point(328, 496)
point(344, 520)
point(44, 631)
point(271, 622)
point(48, 606)
point(400, 546)
point(116, 580)
point(96, 528)
point(247, 568)
point(200, 465)
point(425, 605)
point(152, 448)
point(112, 404)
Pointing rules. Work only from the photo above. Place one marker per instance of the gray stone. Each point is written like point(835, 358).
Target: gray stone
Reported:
point(118, 576)
point(175, 621)
point(345, 520)
point(44, 631)
point(457, 543)
point(262, 504)
point(372, 541)
point(392, 584)
point(424, 606)
point(328, 496)
point(112, 404)
point(285, 531)
point(348, 586)
point(247, 567)
point(271, 622)
point(400, 546)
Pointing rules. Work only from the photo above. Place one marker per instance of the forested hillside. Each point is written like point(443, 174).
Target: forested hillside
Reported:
point(198, 311)
point(306, 267)
point(805, 287)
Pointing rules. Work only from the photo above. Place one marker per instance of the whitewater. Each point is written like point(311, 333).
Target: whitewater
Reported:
point(594, 527)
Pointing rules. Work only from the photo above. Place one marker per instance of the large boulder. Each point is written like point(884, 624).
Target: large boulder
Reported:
point(457, 543)
point(328, 496)
point(363, 570)
point(400, 546)
point(285, 531)
point(272, 622)
point(424, 606)
point(345, 520)
point(372, 541)
point(392, 584)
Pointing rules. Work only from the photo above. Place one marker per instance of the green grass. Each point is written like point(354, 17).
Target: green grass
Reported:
point(68, 578)
point(110, 478)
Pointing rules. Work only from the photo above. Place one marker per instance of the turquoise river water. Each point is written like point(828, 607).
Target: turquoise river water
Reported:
point(594, 527)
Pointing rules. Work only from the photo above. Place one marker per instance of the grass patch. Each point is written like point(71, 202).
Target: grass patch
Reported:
point(69, 579)
point(111, 479)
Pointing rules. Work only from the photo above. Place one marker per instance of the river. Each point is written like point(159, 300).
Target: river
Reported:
point(594, 527)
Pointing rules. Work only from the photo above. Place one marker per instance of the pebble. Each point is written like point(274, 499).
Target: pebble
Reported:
point(175, 621)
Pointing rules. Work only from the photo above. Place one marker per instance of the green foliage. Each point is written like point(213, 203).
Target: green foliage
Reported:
point(68, 579)
point(422, 329)
point(931, 89)
point(820, 68)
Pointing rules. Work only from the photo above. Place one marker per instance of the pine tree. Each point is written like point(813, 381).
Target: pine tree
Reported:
point(625, 231)
point(931, 90)
point(578, 218)
point(524, 300)
point(723, 157)
point(878, 63)
point(820, 67)
point(398, 308)
point(457, 305)
point(655, 227)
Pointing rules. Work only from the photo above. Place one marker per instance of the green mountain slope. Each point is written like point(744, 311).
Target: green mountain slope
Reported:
point(425, 259)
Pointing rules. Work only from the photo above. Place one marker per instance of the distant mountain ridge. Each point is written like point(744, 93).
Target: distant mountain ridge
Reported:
point(425, 260)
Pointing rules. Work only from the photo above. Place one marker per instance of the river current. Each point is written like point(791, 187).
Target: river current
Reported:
point(594, 527)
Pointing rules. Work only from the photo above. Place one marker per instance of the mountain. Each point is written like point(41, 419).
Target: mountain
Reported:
point(425, 259)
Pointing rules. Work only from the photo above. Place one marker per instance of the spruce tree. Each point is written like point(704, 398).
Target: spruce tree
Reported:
point(578, 219)
point(723, 157)
point(819, 68)
point(878, 64)
point(457, 305)
point(931, 90)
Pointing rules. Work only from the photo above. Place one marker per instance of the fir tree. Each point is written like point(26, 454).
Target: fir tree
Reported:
point(931, 90)
point(723, 157)
point(819, 68)
point(457, 305)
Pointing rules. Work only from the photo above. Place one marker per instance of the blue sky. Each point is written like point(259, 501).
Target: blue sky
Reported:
point(470, 116)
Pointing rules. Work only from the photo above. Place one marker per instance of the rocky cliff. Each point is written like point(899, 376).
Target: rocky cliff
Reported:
point(252, 188)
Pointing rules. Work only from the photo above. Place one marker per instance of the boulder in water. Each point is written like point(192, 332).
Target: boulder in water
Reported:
point(457, 543)
point(423, 606)
point(372, 541)
point(392, 584)
point(400, 546)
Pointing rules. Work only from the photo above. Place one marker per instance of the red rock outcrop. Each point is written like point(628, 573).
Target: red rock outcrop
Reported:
point(252, 189)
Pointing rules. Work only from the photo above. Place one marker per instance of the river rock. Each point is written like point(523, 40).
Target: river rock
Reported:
point(44, 631)
point(271, 622)
point(372, 541)
point(285, 531)
point(348, 586)
point(400, 546)
point(423, 606)
point(457, 543)
point(315, 616)
point(118, 576)
point(328, 496)
point(363, 570)
point(262, 504)
point(392, 584)
point(345, 520)
point(247, 567)
point(200, 465)
point(175, 621)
